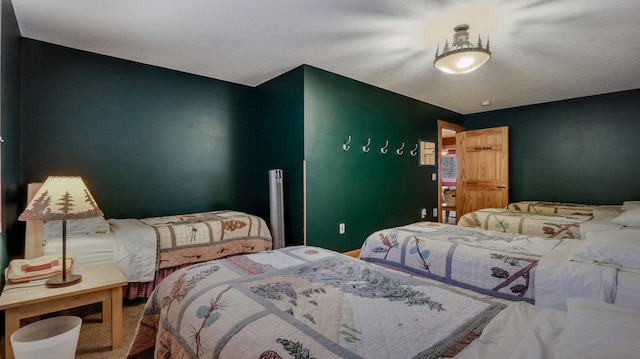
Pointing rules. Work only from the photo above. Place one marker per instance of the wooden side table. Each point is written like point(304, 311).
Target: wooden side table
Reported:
point(100, 283)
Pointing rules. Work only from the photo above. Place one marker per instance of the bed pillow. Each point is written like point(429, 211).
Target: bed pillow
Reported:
point(627, 205)
point(597, 329)
point(618, 249)
point(629, 218)
point(76, 227)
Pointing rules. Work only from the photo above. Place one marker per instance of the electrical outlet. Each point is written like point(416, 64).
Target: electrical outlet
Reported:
point(341, 229)
point(435, 213)
point(434, 177)
point(423, 213)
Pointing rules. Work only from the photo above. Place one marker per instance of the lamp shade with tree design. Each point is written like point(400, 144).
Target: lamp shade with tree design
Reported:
point(60, 199)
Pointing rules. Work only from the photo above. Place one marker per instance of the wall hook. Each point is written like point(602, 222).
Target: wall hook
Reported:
point(346, 146)
point(366, 147)
point(414, 151)
point(385, 149)
point(400, 150)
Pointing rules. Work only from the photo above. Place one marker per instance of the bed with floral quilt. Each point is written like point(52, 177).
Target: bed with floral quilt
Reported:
point(499, 264)
point(541, 225)
point(306, 302)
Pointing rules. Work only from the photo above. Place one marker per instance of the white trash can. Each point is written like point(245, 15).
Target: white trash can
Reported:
point(55, 337)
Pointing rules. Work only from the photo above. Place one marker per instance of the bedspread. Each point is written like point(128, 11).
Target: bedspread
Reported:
point(502, 265)
point(304, 302)
point(192, 238)
point(541, 207)
point(542, 225)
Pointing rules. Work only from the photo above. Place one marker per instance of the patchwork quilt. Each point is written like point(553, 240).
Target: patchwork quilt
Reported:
point(499, 264)
point(542, 207)
point(305, 302)
point(533, 224)
point(192, 238)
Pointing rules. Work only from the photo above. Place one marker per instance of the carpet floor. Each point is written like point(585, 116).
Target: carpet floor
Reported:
point(95, 336)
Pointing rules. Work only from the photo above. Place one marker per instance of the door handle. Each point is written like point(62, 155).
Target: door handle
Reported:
point(502, 185)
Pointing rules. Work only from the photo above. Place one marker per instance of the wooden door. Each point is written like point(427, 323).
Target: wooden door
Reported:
point(483, 169)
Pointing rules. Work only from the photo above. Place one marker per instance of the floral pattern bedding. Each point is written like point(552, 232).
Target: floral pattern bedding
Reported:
point(541, 207)
point(305, 302)
point(499, 264)
point(192, 238)
point(533, 224)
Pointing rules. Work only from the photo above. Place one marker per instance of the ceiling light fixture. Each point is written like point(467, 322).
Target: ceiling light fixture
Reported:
point(461, 57)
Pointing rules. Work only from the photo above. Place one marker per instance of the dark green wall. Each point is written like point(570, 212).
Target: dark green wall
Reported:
point(366, 191)
point(280, 144)
point(582, 150)
point(12, 199)
point(148, 141)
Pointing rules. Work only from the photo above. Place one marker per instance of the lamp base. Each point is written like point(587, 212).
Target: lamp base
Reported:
point(57, 281)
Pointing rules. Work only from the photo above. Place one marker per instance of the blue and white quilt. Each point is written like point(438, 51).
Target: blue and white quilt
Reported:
point(306, 302)
point(499, 264)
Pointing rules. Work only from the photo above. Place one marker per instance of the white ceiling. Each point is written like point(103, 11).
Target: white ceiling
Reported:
point(543, 50)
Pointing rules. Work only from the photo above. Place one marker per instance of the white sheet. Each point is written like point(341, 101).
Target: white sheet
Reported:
point(520, 331)
point(139, 240)
point(557, 278)
point(87, 249)
point(628, 289)
point(130, 243)
point(589, 329)
point(599, 224)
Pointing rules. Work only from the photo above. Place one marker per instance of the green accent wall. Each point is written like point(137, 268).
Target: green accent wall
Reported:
point(581, 150)
point(12, 198)
point(148, 141)
point(280, 145)
point(366, 191)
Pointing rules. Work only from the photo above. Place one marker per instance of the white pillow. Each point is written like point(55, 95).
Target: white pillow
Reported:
point(629, 218)
point(627, 205)
point(618, 249)
point(597, 329)
point(76, 227)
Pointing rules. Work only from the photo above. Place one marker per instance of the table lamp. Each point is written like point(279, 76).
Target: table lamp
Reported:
point(61, 199)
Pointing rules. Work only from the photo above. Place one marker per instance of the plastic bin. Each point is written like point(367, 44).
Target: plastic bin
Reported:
point(55, 337)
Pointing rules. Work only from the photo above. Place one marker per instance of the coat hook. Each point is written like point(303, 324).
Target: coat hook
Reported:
point(385, 149)
point(400, 150)
point(366, 147)
point(414, 151)
point(346, 146)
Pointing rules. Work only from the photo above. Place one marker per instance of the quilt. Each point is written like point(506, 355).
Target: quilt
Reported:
point(542, 225)
point(541, 207)
point(499, 264)
point(305, 302)
point(192, 238)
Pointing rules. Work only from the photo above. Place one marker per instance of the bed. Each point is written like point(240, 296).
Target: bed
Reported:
point(514, 266)
point(547, 225)
point(146, 250)
point(499, 264)
point(306, 302)
point(588, 329)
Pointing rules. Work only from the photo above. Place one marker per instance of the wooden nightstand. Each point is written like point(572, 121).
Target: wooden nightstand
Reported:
point(100, 283)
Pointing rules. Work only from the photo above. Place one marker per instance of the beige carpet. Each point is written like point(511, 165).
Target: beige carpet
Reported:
point(95, 336)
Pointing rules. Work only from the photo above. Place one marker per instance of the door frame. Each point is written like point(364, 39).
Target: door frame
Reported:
point(443, 125)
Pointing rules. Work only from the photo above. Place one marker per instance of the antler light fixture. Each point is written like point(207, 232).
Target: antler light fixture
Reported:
point(461, 56)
